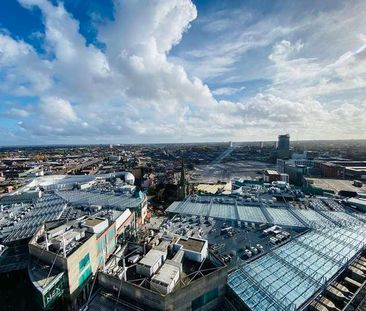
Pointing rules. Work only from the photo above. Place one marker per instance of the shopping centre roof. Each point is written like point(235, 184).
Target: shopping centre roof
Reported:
point(288, 276)
point(262, 213)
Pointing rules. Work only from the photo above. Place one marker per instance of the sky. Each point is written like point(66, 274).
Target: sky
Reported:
point(137, 71)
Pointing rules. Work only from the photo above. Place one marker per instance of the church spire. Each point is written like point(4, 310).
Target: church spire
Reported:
point(182, 188)
point(182, 174)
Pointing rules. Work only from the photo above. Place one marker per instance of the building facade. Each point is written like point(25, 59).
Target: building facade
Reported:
point(76, 250)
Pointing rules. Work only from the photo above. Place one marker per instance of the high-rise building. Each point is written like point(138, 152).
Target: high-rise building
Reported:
point(283, 146)
point(284, 142)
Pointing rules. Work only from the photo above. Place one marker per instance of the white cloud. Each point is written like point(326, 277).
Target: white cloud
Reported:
point(57, 110)
point(134, 90)
point(24, 73)
point(17, 113)
point(282, 50)
point(12, 50)
point(227, 90)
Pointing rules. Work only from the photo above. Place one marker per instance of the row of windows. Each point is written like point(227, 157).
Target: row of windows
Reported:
point(84, 262)
point(111, 246)
point(111, 234)
point(101, 245)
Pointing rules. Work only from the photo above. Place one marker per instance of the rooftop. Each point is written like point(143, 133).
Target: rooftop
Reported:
point(117, 201)
point(213, 188)
point(67, 236)
point(93, 221)
point(44, 276)
point(237, 209)
point(151, 257)
point(175, 262)
point(167, 272)
point(271, 172)
point(28, 218)
point(191, 244)
point(103, 301)
point(335, 185)
point(287, 277)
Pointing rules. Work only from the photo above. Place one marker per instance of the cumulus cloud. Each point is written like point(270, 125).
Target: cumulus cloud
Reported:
point(57, 110)
point(134, 90)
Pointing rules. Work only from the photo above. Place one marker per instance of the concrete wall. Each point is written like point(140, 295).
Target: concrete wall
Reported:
point(44, 255)
point(160, 288)
point(148, 270)
point(48, 257)
point(135, 292)
point(180, 299)
point(165, 288)
point(89, 247)
point(157, 257)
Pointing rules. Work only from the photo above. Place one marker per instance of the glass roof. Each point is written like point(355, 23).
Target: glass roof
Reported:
point(289, 275)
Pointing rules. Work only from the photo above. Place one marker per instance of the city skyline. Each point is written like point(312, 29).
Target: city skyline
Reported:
point(81, 72)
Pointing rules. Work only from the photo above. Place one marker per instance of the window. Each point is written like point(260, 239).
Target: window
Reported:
point(205, 298)
point(84, 262)
point(101, 259)
point(110, 246)
point(84, 276)
point(111, 233)
point(101, 244)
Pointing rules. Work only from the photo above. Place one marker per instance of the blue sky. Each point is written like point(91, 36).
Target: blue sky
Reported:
point(127, 71)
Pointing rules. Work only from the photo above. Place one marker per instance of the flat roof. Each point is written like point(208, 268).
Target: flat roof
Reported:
point(191, 244)
point(213, 188)
point(167, 272)
point(151, 257)
point(335, 185)
point(44, 276)
point(271, 172)
point(93, 221)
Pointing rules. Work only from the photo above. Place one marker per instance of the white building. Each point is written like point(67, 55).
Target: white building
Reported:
point(151, 262)
point(194, 249)
point(167, 277)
